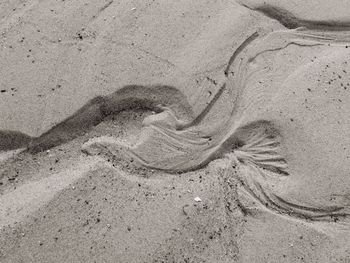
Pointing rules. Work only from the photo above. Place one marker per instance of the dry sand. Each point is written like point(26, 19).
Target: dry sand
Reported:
point(175, 131)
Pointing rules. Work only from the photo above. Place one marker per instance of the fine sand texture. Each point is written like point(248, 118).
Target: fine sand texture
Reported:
point(175, 131)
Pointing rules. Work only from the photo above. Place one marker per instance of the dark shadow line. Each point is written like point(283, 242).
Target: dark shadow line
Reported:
point(290, 21)
point(98, 109)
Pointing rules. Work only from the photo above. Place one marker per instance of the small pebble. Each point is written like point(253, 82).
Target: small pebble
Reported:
point(197, 199)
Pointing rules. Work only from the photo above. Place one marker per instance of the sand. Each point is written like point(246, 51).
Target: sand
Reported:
point(174, 131)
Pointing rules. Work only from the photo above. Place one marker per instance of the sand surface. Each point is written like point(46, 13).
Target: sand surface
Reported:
point(175, 131)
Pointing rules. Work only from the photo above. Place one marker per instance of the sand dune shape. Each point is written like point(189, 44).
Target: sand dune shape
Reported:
point(98, 109)
point(254, 152)
point(255, 146)
point(176, 141)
